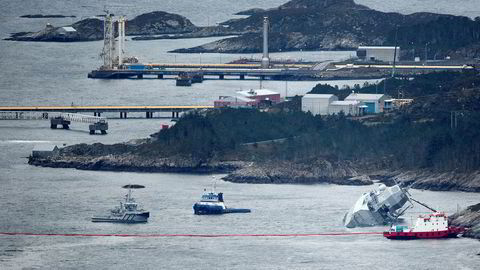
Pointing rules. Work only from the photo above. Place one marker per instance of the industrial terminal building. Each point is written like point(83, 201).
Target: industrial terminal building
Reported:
point(249, 98)
point(234, 102)
point(261, 95)
point(378, 53)
point(374, 103)
point(355, 104)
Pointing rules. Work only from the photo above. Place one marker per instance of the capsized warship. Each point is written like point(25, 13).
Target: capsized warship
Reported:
point(380, 206)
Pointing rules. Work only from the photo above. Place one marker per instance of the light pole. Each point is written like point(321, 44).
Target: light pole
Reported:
point(413, 46)
point(426, 51)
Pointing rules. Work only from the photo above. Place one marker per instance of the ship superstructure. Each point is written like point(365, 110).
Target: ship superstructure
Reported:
point(380, 206)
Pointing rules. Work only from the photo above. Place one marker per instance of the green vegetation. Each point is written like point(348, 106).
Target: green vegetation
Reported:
point(419, 136)
point(203, 136)
point(441, 35)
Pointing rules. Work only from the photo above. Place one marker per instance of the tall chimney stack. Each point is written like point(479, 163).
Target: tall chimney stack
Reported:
point(265, 58)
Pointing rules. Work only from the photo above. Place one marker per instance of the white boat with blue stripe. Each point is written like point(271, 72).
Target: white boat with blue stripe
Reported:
point(127, 212)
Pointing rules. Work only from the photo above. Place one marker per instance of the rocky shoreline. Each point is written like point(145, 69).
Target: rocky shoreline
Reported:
point(319, 170)
point(470, 219)
point(342, 24)
point(91, 29)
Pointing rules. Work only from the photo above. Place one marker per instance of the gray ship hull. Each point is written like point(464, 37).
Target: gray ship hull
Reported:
point(361, 216)
point(126, 218)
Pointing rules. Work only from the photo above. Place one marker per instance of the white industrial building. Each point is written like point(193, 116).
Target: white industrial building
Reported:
point(348, 107)
point(378, 53)
point(374, 102)
point(317, 104)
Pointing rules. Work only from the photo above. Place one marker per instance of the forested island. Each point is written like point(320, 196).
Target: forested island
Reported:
point(417, 143)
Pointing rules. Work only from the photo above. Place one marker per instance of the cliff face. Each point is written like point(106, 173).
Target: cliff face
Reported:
point(153, 23)
point(329, 24)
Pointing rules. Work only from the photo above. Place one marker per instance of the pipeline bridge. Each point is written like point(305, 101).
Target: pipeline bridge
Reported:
point(58, 118)
point(64, 115)
point(98, 110)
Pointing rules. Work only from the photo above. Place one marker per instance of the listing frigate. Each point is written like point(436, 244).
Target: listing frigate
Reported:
point(380, 206)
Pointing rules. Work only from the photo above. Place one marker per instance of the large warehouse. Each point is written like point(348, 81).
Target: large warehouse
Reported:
point(378, 53)
point(317, 103)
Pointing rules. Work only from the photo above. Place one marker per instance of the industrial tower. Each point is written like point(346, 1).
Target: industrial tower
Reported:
point(113, 50)
point(265, 58)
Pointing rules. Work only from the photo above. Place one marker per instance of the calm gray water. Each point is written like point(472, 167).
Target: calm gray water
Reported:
point(44, 200)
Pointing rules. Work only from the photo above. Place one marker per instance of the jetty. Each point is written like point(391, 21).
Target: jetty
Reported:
point(64, 115)
point(14, 112)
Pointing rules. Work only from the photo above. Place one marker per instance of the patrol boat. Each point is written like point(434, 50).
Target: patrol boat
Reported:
point(212, 204)
point(127, 212)
point(378, 207)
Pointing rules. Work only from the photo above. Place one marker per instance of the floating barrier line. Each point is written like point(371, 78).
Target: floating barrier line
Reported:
point(189, 235)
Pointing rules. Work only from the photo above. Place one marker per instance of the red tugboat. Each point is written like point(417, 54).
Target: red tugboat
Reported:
point(427, 226)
